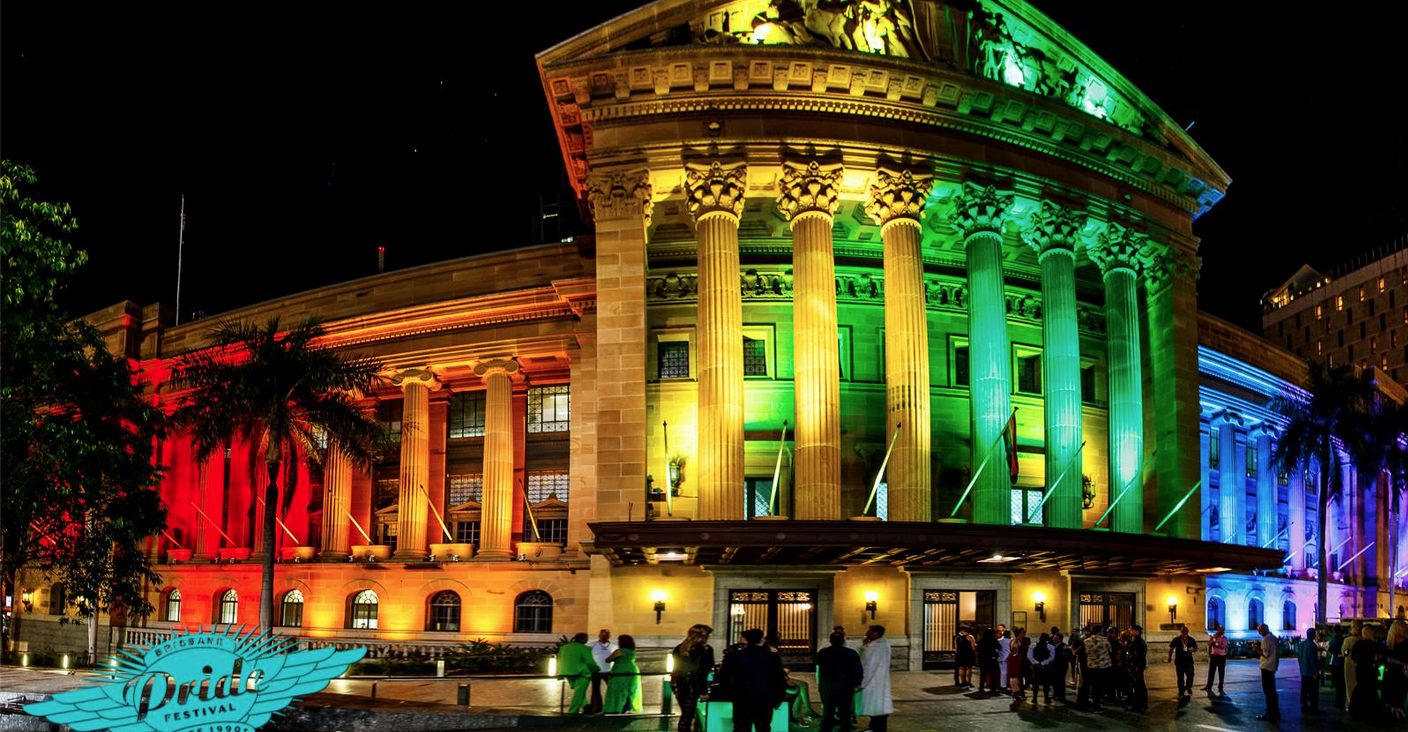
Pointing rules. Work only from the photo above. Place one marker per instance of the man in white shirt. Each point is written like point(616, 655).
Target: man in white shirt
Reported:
point(602, 647)
point(1004, 650)
point(1270, 652)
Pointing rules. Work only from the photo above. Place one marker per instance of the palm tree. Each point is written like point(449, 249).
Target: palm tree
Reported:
point(279, 390)
point(1374, 441)
point(1317, 421)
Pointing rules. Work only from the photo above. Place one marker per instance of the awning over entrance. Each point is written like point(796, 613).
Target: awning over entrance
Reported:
point(912, 545)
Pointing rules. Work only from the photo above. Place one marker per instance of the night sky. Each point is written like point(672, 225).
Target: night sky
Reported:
point(303, 140)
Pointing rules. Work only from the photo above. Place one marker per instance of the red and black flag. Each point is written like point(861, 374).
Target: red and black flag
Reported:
point(1009, 437)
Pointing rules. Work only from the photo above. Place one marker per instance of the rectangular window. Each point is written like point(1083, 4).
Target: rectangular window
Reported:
point(1349, 316)
point(467, 532)
point(674, 359)
point(1307, 332)
point(1087, 384)
point(1319, 312)
point(1383, 321)
point(1028, 372)
point(1371, 306)
point(1251, 460)
point(1390, 299)
point(1341, 337)
point(467, 414)
point(755, 357)
point(550, 530)
point(960, 363)
point(1381, 284)
point(1339, 302)
point(1374, 343)
point(1319, 346)
point(1362, 330)
point(1393, 339)
point(1383, 362)
point(465, 487)
point(1361, 293)
point(549, 409)
point(1024, 506)
point(1214, 447)
point(389, 415)
point(843, 351)
point(1350, 356)
point(546, 484)
point(388, 492)
point(757, 492)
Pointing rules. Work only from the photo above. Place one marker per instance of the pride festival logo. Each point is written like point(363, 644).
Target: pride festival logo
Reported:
point(217, 681)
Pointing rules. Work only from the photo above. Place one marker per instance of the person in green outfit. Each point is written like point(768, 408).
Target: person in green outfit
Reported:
point(623, 690)
point(576, 664)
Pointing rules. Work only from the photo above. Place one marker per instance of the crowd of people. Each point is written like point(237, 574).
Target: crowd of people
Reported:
point(1367, 666)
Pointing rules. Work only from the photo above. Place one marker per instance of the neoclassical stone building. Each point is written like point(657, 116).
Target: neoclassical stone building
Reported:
point(834, 253)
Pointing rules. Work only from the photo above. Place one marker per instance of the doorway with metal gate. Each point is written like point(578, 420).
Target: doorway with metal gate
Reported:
point(945, 611)
point(791, 614)
point(1107, 608)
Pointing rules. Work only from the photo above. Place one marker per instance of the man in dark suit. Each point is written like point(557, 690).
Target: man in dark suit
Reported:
point(755, 681)
point(840, 671)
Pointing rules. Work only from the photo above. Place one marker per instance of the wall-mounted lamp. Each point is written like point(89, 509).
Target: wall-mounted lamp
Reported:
point(872, 603)
point(27, 598)
point(1172, 608)
point(1040, 598)
point(659, 597)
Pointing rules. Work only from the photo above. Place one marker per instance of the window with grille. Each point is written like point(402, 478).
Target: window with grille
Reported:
point(960, 364)
point(674, 359)
point(1214, 448)
point(291, 610)
point(549, 409)
point(1028, 372)
point(467, 532)
point(550, 530)
point(389, 415)
point(229, 608)
point(364, 611)
point(757, 495)
point(465, 487)
point(545, 484)
point(1251, 460)
point(388, 491)
point(444, 613)
point(467, 414)
point(1024, 506)
point(755, 357)
point(532, 612)
point(173, 607)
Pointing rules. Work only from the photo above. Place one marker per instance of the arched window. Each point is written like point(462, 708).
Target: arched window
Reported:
point(1217, 613)
point(1288, 616)
point(291, 615)
point(533, 612)
point(363, 612)
point(173, 607)
point(229, 607)
point(1254, 613)
point(444, 612)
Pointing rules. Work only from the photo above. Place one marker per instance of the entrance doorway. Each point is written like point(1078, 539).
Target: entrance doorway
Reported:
point(944, 612)
point(791, 614)
point(1107, 609)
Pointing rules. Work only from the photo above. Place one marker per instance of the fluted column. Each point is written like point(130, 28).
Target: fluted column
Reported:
point(1295, 521)
point(807, 198)
point(1267, 522)
point(979, 214)
point(212, 496)
point(716, 195)
point(1053, 232)
point(1117, 254)
point(413, 508)
point(1230, 485)
point(337, 503)
point(496, 516)
point(1171, 274)
point(897, 201)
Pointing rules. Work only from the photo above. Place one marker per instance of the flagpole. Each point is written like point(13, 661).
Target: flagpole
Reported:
point(982, 465)
point(669, 487)
point(874, 489)
point(777, 471)
point(1051, 491)
point(180, 252)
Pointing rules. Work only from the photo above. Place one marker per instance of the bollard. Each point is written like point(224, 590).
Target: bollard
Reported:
point(464, 695)
point(373, 689)
point(667, 700)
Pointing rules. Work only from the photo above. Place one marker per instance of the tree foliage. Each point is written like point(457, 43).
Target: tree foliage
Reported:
point(77, 434)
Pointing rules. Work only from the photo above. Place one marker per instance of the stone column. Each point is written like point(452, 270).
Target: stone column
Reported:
point(897, 201)
point(1295, 522)
point(337, 503)
point(807, 197)
point(412, 508)
point(1267, 522)
point(979, 214)
point(1118, 255)
point(212, 496)
point(1053, 232)
point(1173, 362)
point(716, 195)
point(496, 516)
point(1230, 486)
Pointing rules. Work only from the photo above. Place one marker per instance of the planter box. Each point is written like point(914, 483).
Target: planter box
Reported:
point(178, 555)
point(539, 551)
point(380, 552)
point(451, 552)
point(237, 553)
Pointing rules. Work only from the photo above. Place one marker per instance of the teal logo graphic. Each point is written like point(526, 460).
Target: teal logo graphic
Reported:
point(230, 681)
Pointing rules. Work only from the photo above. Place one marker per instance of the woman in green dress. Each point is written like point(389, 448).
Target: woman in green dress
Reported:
point(623, 690)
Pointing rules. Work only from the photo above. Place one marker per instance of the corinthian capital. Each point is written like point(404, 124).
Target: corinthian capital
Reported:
point(898, 195)
point(1171, 264)
point(1053, 227)
point(979, 209)
point(715, 188)
point(809, 188)
point(1118, 248)
point(619, 194)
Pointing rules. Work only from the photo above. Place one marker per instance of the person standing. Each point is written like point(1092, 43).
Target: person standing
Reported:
point(1217, 660)
point(1270, 653)
point(840, 673)
point(1351, 676)
point(875, 699)
point(755, 681)
point(1040, 656)
point(1004, 652)
point(1137, 660)
point(1018, 647)
point(1364, 700)
point(693, 660)
point(989, 650)
point(965, 654)
point(623, 690)
point(1308, 653)
point(1337, 665)
point(1056, 671)
point(1180, 651)
point(602, 647)
point(576, 664)
point(1097, 665)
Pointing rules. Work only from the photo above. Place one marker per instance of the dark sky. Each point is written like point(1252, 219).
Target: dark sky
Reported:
point(303, 140)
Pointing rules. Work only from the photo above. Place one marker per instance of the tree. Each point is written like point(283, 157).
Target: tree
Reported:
point(278, 390)
point(77, 434)
point(1375, 440)
point(1318, 422)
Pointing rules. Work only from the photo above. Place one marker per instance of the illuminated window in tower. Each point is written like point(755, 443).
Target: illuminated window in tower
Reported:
point(1361, 293)
point(755, 357)
point(1319, 346)
point(363, 611)
point(467, 414)
point(465, 487)
point(1339, 302)
point(1381, 284)
point(549, 409)
point(674, 359)
point(1319, 312)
